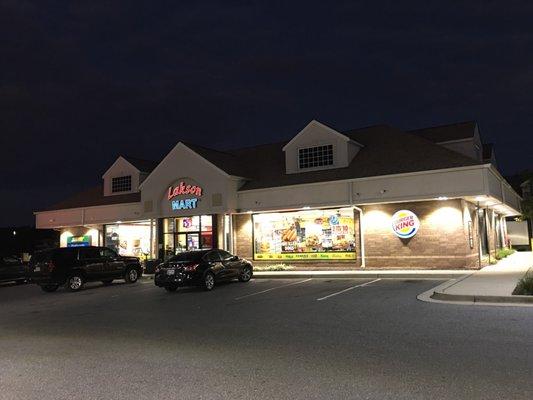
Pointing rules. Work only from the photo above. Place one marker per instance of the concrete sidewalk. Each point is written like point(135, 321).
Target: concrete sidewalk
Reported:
point(492, 284)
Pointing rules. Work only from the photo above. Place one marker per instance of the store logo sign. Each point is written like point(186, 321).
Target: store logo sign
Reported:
point(192, 192)
point(405, 224)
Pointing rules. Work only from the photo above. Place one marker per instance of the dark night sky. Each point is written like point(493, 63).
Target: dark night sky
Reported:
point(84, 81)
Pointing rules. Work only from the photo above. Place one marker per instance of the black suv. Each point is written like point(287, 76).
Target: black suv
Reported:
point(73, 266)
point(12, 269)
point(201, 268)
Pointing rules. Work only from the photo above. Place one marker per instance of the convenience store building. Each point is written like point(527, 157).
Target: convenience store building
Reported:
point(375, 197)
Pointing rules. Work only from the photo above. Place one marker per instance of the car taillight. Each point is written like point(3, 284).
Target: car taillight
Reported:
point(51, 266)
point(190, 268)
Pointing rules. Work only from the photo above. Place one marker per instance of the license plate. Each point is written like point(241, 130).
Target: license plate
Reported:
point(171, 272)
point(37, 269)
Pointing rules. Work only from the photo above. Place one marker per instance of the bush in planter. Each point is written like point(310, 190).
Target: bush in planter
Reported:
point(273, 267)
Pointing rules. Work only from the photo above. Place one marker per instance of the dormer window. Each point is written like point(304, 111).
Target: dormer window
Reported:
point(121, 184)
point(318, 156)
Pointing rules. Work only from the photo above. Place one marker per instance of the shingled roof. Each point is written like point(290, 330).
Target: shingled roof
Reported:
point(447, 133)
point(94, 196)
point(141, 164)
point(386, 151)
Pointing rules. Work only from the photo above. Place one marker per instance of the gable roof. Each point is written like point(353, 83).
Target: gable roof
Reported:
point(227, 162)
point(315, 123)
point(386, 151)
point(447, 133)
point(141, 164)
point(488, 151)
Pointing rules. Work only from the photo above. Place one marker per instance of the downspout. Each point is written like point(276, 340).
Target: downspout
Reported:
point(478, 236)
point(361, 230)
point(361, 235)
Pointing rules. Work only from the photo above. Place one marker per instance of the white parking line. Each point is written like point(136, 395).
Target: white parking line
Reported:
point(345, 290)
point(274, 288)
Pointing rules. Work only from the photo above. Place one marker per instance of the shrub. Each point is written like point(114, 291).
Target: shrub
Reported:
point(273, 267)
point(502, 253)
point(525, 285)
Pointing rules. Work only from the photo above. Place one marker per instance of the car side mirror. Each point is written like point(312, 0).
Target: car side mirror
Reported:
point(234, 258)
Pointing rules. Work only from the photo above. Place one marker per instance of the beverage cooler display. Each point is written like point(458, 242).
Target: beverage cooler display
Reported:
point(312, 234)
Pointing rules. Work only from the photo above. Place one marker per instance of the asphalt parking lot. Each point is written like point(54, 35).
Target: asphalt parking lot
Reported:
point(275, 339)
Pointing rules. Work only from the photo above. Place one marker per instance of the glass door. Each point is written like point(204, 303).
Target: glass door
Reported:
point(188, 233)
point(187, 242)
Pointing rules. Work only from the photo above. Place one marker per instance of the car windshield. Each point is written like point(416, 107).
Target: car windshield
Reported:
point(41, 256)
point(193, 256)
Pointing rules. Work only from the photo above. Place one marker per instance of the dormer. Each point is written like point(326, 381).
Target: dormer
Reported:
point(319, 147)
point(125, 175)
point(462, 137)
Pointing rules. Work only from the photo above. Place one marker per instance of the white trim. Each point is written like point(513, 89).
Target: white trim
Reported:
point(457, 140)
point(321, 126)
point(366, 178)
point(112, 165)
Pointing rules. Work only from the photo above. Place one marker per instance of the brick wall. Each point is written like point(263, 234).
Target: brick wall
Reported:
point(442, 242)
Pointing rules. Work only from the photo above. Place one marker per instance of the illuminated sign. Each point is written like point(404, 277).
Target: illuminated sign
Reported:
point(79, 241)
point(405, 224)
point(183, 189)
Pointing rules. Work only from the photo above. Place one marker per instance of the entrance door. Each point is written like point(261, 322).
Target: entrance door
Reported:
point(187, 242)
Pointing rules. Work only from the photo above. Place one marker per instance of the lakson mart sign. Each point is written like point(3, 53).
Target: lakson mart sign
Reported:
point(405, 224)
point(192, 194)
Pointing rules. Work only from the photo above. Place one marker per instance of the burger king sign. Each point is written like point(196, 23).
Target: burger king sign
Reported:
point(405, 224)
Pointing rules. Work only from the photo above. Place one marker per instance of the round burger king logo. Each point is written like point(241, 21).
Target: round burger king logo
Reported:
point(405, 224)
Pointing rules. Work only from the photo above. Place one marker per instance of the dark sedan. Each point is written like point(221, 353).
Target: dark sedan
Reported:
point(12, 269)
point(201, 268)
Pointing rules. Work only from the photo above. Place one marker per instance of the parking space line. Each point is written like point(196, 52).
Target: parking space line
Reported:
point(347, 289)
point(274, 288)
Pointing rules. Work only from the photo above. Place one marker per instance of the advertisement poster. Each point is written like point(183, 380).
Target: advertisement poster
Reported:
point(305, 235)
point(79, 241)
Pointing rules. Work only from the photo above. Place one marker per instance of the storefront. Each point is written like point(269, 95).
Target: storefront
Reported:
point(188, 233)
point(324, 199)
point(131, 238)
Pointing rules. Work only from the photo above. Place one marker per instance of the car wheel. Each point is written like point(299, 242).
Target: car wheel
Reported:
point(49, 288)
point(245, 275)
point(131, 276)
point(171, 288)
point(75, 282)
point(209, 281)
point(107, 282)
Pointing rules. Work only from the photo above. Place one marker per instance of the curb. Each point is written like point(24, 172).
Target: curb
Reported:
point(482, 298)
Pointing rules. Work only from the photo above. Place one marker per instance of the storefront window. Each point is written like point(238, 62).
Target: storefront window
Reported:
point(129, 239)
point(305, 235)
point(187, 233)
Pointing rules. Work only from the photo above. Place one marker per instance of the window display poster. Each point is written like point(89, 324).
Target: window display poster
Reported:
point(305, 235)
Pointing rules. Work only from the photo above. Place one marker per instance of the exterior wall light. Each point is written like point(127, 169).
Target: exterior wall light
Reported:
point(306, 208)
point(441, 198)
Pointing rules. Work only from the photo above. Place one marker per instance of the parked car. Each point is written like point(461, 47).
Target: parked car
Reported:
point(73, 266)
point(201, 268)
point(12, 269)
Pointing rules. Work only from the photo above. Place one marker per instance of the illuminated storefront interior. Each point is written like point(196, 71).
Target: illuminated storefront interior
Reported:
point(187, 233)
point(130, 239)
point(305, 235)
